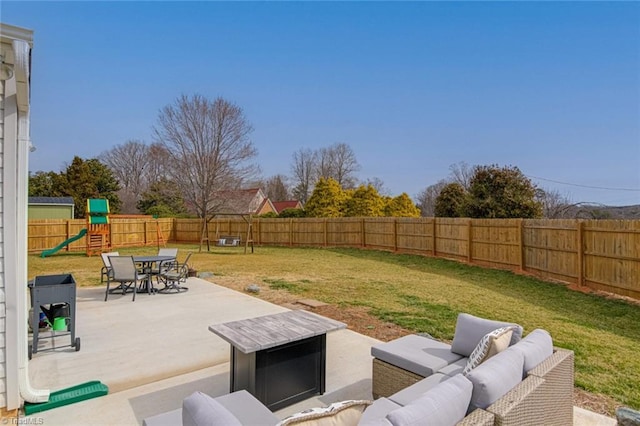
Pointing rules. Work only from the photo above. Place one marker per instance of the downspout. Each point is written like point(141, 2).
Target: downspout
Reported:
point(16, 172)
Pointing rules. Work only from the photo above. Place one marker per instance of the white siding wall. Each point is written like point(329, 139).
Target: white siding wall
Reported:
point(3, 310)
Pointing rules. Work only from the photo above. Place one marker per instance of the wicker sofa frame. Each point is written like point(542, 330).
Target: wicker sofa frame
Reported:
point(545, 396)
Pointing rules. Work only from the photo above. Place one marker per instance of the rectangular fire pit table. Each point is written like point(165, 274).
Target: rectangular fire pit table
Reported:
point(280, 359)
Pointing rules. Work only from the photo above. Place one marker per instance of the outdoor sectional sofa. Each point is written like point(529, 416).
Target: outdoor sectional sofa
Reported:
point(418, 380)
point(528, 383)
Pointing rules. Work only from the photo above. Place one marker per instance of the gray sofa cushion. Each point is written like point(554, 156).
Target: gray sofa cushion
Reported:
point(495, 377)
point(410, 393)
point(455, 367)
point(535, 347)
point(247, 409)
point(417, 354)
point(376, 413)
point(471, 329)
point(444, 405)
point(199, 409)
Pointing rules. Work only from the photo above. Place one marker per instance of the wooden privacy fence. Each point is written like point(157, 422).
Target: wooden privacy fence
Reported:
point(47, 233)
point(598, 254)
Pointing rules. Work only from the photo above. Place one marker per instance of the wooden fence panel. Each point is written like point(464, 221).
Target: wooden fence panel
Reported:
point(495, 243)
point(414, 235)
point(308, 232)
point(344, 232)
point(379, 233)
point(551, 248)
point(44, 234)
point(129, 232)
point(452, 239)
point(275, 232)
point(612, 256)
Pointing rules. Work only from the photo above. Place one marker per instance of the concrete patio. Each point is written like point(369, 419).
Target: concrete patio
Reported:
point(155, 351)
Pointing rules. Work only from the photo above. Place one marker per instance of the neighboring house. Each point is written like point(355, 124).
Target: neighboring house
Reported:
point(51, 207)
point(282, 205)
point(15, 70)
point(243, 202)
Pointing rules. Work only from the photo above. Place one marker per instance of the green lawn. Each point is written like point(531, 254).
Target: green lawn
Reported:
point(426, 295)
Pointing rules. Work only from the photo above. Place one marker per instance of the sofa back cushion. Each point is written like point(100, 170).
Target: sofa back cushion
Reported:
point(470, 330)
point(494, 378)
point(443, 405)
point(491, 344)
point(199, 409)
point(535, 347)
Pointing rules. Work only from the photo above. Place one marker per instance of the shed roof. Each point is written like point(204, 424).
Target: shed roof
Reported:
point(52, 200)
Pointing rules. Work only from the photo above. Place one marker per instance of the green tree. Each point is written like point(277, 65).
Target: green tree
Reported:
point(365, 201)
point(327, 200)
point(451, 201)
point(292, 213)
point(46, 184)
point(162, 199)
point(401, 206)
point(501, 192)
point(81, 180)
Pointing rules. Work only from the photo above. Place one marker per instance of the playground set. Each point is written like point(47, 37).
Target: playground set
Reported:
point(98, 230)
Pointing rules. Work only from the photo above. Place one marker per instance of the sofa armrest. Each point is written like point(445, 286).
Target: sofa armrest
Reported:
point(526, 401)
point(557, 372)
point(559, 363)
point(478, 417)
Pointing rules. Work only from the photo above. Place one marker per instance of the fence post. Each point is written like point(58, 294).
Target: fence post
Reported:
point(395, 234)
point(521, 244)
point(435, 253)
point(325, 231)
point(146, 241)
point(580, 252)
point(469, 242)
point(68, 233)
point(362, 239)
point(290, 232)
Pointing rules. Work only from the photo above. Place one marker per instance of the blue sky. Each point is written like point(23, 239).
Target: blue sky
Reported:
point(412, 87)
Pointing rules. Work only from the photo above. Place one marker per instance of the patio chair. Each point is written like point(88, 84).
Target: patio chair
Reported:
point(125, 272)
point(106, 269)
point(175, 275)
point(162, 267)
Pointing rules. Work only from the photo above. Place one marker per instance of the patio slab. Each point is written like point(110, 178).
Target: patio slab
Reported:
point(154, 352)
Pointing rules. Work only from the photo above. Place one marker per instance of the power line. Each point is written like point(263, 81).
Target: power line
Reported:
point(584, 186)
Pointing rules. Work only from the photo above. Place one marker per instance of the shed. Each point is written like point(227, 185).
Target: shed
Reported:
point(51, 208)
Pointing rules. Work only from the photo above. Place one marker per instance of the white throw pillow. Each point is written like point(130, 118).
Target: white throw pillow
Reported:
point(343, 413)
point(491, 344)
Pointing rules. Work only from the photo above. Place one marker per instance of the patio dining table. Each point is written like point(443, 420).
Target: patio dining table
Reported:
point(146, 264)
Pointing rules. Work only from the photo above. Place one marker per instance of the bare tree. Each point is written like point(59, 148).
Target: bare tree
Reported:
point(345, 165)
point(554, 204)
point(128, 163)
point(303, 172)
point(426, 199)
point(159, 164)
point(276, 189)
point(325, 167)
point(210, 150)
point(461, 173)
